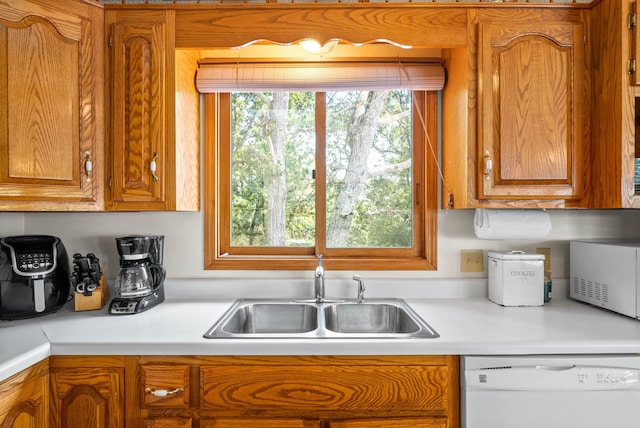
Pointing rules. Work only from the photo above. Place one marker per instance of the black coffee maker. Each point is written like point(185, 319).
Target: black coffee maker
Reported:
point(140, 282)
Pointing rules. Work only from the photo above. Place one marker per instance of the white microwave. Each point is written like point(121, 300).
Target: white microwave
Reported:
point(606, 273)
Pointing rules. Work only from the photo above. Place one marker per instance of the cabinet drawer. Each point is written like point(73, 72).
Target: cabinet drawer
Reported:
point(165, 386)
point(316, 390)
point(259, 423)
point(392, 422)
point(168, 423)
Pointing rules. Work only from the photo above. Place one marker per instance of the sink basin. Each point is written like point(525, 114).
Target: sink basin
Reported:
point(249, 318)
point(291, 319)
point(371, 318)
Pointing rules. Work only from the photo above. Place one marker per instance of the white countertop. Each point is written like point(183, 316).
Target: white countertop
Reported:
point(21, 346)
point(471, 325)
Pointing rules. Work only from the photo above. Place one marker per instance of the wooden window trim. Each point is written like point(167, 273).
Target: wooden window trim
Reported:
point(421, 257)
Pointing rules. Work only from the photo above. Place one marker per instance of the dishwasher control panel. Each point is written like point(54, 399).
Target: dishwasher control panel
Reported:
point(548, 377)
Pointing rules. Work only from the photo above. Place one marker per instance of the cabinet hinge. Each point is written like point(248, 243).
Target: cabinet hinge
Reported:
point(632, 20)
point(631, 66)
point(450, 201)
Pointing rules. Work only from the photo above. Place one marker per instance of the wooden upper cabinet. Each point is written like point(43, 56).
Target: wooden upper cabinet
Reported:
point(634, 60)
point(51, 105)
point(532, 126)
point(616, 112)
point(147, 161)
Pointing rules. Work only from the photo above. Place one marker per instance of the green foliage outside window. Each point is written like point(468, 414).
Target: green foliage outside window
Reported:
point(368, 169)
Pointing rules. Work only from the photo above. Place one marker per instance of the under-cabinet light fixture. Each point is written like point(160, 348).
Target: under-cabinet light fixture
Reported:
point(314, 47)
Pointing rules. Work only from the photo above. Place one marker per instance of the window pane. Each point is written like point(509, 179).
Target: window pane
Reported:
point(273, 157)
point(369, 174)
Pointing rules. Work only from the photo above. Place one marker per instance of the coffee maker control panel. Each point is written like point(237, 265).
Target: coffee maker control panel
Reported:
point(123, 306)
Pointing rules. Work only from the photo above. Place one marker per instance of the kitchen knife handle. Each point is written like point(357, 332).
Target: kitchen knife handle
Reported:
point(163, 392)
point(154, 166)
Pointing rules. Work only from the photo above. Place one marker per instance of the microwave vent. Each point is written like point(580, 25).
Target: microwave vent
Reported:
point(593, 291)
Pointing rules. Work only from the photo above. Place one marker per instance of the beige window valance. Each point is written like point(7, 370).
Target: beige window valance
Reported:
point(319, 76)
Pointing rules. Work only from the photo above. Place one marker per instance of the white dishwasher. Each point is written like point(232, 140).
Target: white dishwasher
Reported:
point(564, 391)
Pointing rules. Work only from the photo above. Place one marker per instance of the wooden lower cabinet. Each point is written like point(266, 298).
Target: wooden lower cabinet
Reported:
point(234, 392)
point(302, 423)
point(24, 398)
point(296, 392)
point(87, 392)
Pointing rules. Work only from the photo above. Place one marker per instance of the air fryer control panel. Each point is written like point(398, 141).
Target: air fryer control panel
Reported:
point(32, 255)
point(31, 263)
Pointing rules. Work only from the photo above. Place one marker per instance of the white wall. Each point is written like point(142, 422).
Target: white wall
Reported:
point(11, 224)
point(95, 232)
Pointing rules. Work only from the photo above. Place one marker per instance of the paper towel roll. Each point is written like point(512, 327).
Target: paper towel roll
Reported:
point(511, 224)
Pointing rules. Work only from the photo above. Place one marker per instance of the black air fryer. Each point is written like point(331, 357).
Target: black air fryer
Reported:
point(34, 276)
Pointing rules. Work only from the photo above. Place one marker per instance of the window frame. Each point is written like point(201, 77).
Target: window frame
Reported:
point(219, 254)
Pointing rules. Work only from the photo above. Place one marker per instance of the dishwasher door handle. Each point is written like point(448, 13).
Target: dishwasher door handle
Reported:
point(555, 367)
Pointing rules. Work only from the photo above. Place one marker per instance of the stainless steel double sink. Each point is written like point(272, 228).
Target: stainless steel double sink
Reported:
point(334, 319)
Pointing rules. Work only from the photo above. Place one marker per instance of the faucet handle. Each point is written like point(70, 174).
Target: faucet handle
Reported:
point(361, 288)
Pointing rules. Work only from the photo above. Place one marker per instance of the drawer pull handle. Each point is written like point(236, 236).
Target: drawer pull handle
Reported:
point(163, 392)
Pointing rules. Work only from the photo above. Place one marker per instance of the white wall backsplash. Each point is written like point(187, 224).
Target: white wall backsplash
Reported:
point(184, 240)
point(11, 224)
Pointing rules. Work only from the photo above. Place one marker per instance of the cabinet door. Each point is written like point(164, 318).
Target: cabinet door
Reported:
point(142, 102)
point(51, 105)
point(87, 397)
point(24, 399)
point(533, 111)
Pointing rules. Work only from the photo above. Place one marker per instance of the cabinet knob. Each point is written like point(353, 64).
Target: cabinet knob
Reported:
point(88, 166)
point(154, 166)
point(163, 392)
point(488, 165)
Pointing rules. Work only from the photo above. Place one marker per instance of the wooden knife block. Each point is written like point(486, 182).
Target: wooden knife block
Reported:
point(98, 298)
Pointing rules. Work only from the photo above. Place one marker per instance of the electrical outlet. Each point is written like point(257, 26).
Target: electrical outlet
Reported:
point(471, 261)
point(547, 257)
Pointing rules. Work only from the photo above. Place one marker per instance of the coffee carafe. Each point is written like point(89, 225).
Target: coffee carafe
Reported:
point(140, 282)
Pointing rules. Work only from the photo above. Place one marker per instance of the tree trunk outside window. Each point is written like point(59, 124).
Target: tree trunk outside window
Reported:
point(277, 183)
point(360, 137)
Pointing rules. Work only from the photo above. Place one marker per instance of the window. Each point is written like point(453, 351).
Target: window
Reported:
point(349, 174)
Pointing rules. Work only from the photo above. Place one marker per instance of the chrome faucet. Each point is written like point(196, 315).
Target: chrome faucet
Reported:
point(361, 288)
point(319, 281)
